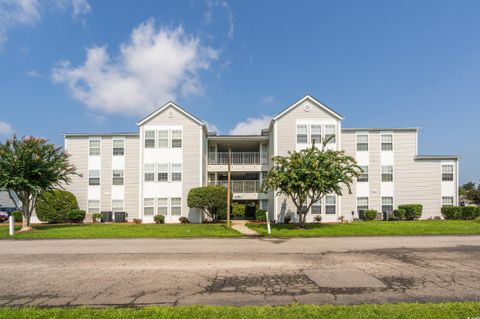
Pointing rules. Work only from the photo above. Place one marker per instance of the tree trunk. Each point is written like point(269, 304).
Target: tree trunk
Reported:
point(301, 218)
point(25, 216)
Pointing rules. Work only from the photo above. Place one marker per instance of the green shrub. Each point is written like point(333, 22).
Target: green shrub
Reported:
point(412, 211)
point(137, 220)
point(17, 216)
point(159, 219)
point(370, 214)
point(212, 200)
point(238, 210)
point(75, 216)
point(96, 217)
point(52, 207)
point(261, 215)
point(184, 220)
point(399, 214)
point(460, 212)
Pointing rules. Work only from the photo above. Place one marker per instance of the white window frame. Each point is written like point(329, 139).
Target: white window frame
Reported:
point(121, 175)
point(386, 172)
point(176, 168)
point(358, 142)
point(89, 206)
point(306, 133)
point(162, 168)
point(96, 176)
point(176, 139)
point(363, 174)
point(383, 203)
point(91, 148)
point(150, 171)
point(116, 205)
point(327, 204)
point(318, 135)
point(382, 135)
point(163, 206)
point(176, 206)
point(154, 138)
point(327, 134)
point(317, 204)
point(118, 148)
point(165, 141)
point(448, 204)
point(445, 172)
point(145, 206)
point(362, 198)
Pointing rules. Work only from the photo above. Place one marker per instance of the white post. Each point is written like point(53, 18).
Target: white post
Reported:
point(268, 224)
point(11, 222)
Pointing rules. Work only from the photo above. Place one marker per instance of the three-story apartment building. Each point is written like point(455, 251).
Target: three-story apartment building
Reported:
point(151, 171)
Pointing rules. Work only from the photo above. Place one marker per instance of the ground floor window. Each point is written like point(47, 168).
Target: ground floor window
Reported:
point(93, 206)
point(148, 206)
point(387, 204)
point(175, 206)
point(162, 206)
point(362, 204)
point(317, 207)
point(330, 204)
point(447, 200)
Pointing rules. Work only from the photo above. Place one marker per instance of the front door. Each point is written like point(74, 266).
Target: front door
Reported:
point(250, 212)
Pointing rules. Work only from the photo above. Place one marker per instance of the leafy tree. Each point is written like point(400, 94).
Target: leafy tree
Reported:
point(471, 192)
point(310, 174)
point(210, 199)
point(28, 168)
point(53, 206)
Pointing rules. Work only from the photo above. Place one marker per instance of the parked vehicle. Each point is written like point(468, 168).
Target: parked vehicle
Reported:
point(3, 216)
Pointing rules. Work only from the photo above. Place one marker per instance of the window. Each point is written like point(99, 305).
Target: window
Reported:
point(176, 138)
point(175, 206)
point(387, 142)
point(364, 175)
point(316, 134)
point(148, 206)
point(93, 206)
point(330, 204)
point(176, 172)
point(149, 139)
point(118, 147)
point(302, 134)
point(163, 139)
point(362, 142)
point(117, 205)
point(317, 208)
point(94, 147)
point(362, 204)
point(387, 173)
point(117, 177)
point(162, 206)
point(94, 177)
point(387, 204)
point(447, 201)
point(149, 172)
point(162, 172)
point(330, 133)
point(447, 173)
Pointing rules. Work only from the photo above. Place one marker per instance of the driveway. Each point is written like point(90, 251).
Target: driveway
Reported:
point(239, 271)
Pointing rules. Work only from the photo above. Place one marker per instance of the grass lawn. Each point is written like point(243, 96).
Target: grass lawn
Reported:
point(462, 310)
point(374, 228)
point(123, 231)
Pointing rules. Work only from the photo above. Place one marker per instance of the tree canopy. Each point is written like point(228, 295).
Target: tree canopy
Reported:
point(471, 192)
point(29, 167)
point(308, 175)
point(211, 199)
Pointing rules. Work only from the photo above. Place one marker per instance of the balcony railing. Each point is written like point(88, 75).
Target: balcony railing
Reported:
point(238, 158)
point(244, 186)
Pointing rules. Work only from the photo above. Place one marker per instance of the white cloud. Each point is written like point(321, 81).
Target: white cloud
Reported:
point(15, 13)
point(268, 99)
point(153, 67)
point(34, 74)
point(251, 126)
point(5, 129)
point(212, 127)
point(212, 6)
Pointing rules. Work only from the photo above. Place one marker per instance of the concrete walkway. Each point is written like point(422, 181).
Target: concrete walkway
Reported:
point(239, 225)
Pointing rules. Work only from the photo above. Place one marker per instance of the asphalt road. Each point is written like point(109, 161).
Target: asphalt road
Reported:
point(239, 271)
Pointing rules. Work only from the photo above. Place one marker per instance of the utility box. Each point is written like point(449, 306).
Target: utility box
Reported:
point(120, 217)
point(107, 217)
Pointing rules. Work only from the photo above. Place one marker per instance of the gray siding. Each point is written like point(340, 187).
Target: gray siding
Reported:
point(77, 147)
point(132, 175)
point(349, 201)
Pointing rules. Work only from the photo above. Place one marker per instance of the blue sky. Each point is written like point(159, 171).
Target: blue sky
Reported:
point(99, 66)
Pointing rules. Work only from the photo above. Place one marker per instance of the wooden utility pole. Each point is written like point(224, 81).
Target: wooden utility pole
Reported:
point(228, 184)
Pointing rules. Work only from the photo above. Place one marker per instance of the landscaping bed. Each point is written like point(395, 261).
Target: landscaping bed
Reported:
point(373, 228)
point(391, 311)
point(122, 231)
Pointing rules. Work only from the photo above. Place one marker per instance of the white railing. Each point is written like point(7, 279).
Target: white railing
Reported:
point(244, 186)
point(238, 158)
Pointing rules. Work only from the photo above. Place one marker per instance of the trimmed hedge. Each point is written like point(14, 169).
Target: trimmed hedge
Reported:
point(399, 214)
point(460, 212)
point(412, 211)
point(52, 207)
point(75, 216)
point(261, 215)
point(371, 214)
point(159, 219)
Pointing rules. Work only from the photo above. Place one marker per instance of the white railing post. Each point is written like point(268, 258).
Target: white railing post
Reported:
point(11, 223)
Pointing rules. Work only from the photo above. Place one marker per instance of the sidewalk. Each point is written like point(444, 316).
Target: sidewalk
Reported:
point(239, 225)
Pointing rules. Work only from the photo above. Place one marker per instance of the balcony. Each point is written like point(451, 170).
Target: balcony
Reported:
point(238, 158)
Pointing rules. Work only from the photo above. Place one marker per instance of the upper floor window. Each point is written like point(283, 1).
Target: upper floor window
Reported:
point(387, 142)
point(317, 207)
point(387, 173)
point(117, 205)
point(447, 200)
point(175, 206)
point(330, 133)
point(362, 142)
point(362, 204)
point(176, 138)
point(176, 172)
point(447, 173)
point(94, 147)
point(118, 147)
point(149, 172)
point(330, 204)
point(302, 134)
point(162, 206)
point(163, 139)
point(387, 204)
point(117, 177)
point(149, 139)
point(316, 134)
point(162, 172)
point(364, 175)
point(94, 177)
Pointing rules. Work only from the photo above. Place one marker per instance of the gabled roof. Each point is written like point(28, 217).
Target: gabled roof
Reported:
point(308, 97)
point(175, 106)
